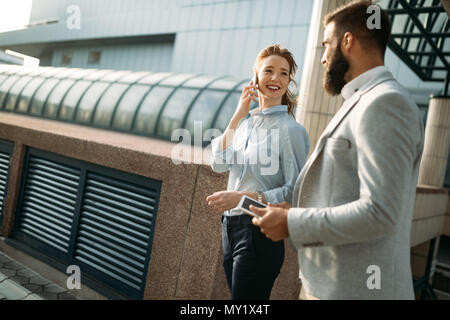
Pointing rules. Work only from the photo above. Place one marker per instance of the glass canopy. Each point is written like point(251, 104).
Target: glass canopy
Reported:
point(142, 103)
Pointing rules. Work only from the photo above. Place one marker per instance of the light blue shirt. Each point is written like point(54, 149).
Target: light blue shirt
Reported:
point(267, 154)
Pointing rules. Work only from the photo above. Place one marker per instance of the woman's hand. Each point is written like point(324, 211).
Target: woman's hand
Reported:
point(224, 200)
point(249, 93)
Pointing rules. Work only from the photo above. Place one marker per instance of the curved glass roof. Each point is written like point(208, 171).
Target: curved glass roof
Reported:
point(142, 103)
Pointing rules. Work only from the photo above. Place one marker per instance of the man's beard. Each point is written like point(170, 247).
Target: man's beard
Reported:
point(333, 80)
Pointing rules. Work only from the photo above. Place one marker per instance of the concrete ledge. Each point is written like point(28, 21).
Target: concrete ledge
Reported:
point(186, 251)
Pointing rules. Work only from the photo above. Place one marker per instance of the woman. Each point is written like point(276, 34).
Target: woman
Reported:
point(264, 154)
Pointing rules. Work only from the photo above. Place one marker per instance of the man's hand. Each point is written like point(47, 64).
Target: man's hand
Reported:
point(273, 221)
point(224, 200)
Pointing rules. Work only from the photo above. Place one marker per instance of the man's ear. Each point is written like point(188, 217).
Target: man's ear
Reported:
point(348, 41)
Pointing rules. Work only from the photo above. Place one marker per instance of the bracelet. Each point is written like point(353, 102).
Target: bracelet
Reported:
point(260, 199)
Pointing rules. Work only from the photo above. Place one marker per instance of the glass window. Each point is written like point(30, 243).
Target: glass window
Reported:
point(81, 73)
point(134, 76)
point(27, 93)
point(2, 78)
point(50, 71)
point(399, 23)
point(54, 100)
point(37, 71)
point(5, 67)
point(94, 57)
point(89, 101)
point(115, 76)
point(175, 111)
point(21, 71)
point(66, 57)
point(6, 85)
point(199, 82)
point(155, 78)
point(227, 84)
point(70, 101)
point(97, 74)
point(439, 24)
point(177, 79)
point(243, 84)
point(15, 90)
point(108, 103)
point(227, 111)
point(127, 107)
point(41, 95)
point(149, 110)
point(64, 73)
point(204, 109)
point(10, 69)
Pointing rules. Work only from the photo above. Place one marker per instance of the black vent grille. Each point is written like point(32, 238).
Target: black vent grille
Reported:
point(115, 228)
point(97, 218)
point(49, 202)
point(4, 169)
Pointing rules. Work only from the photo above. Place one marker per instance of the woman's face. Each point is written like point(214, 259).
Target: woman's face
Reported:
point(273, 77)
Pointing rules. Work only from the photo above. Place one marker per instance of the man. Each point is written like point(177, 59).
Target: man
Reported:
point(353, 200)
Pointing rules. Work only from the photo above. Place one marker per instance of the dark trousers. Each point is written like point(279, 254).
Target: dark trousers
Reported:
point(251, 261)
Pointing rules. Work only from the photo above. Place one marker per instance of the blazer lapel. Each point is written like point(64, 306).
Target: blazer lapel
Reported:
point(342, 113)
point(334, 123)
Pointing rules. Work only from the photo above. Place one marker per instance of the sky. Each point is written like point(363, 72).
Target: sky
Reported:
point(14, 14)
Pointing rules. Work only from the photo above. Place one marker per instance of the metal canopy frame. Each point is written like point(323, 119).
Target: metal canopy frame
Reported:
point(421, 44)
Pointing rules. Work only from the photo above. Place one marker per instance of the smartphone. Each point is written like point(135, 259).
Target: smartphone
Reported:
point(255, 83)
point(244, 205)
point(255, 79)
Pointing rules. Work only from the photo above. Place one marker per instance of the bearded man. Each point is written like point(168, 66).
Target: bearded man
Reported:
point(353, 201)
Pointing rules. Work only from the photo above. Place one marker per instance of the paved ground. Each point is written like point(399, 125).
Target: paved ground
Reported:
point(18, 282)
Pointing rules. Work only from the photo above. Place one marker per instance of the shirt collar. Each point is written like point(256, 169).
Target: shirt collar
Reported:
point(280, 108)
point(361, 81)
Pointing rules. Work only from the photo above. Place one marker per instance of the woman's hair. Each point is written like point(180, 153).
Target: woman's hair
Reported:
point(288, 98)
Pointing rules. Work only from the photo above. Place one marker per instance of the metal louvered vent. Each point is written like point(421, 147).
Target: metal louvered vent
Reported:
point(115, 228)
point(4, 169)
point(49, 202)
point(97, 218)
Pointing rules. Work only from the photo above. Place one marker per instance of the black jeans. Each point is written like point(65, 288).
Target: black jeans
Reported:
point(251, 261)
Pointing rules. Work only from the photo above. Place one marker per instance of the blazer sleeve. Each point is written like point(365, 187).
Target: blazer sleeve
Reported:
point(387, 136)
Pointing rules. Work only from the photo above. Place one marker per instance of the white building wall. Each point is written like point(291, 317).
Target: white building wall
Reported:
point(225, 37)
point(221, 37)
point(138, 57)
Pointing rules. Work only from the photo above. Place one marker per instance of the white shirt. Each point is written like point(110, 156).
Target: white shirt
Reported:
point(361, 81)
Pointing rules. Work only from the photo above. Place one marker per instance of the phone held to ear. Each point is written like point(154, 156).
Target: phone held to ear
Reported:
point(255, 79)
point(255, 83)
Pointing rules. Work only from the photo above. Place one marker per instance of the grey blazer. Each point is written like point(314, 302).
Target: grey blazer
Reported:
point(353, 201)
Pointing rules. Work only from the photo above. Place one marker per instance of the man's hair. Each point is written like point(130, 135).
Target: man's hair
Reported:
point(353, 18)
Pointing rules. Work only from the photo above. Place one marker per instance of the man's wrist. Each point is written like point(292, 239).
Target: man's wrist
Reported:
point(259, 196)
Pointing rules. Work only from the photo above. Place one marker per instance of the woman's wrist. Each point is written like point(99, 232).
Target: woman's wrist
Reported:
point(235, 120)
point(253, 195)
